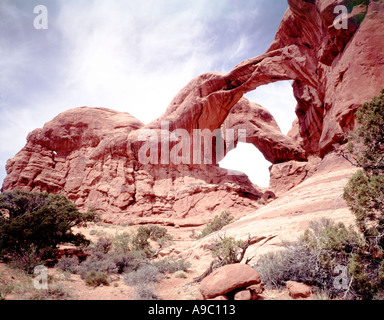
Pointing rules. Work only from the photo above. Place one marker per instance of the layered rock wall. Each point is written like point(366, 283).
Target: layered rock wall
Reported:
point(92, 155)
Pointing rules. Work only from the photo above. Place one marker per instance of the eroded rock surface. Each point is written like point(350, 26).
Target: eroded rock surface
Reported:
point(92, 154)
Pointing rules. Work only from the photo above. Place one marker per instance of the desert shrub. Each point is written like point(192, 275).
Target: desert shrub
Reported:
point(228, 250)
point(126, 262)
point(217, 224)
point(103, 245)
point(24, 288)
point(40, 220)
point(145, 274)
point(140, 240)
point(122, 242)
point(26, 258)
point(95, 278)
point(145, 291)
point(109, 256)
point(333, 243)
point(55, 291)
point(68, 264)
point(143, 280)
point(103, 258)
point(295, 262)
point(312, 259)
point(97, 262)
point(171, 265)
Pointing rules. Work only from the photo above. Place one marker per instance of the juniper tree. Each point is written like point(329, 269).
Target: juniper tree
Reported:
point(40, 221)
point(364, 195)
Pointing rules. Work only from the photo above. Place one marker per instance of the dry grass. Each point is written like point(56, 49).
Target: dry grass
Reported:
point(15, 284)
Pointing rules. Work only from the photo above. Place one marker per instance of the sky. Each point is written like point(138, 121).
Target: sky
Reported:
point(132, 56)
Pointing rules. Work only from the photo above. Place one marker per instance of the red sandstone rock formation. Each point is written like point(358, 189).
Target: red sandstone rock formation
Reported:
point(263, 132)
point(334, 72)
point(91, 154)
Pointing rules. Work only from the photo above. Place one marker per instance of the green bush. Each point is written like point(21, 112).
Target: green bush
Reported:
point(228, 250)
point(364, 194)
point(332, 243)
point(95, 278)
point(122, 242)
point(365, 144)
point(40, 220)
point(140, 240)
point(313, 258)
point(217, 224)
point(368, 275)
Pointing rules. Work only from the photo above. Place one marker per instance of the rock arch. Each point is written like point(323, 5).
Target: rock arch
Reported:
point(94, 162)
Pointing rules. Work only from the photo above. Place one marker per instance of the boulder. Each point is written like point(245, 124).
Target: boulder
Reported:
point(227, 279)
point(298, 290)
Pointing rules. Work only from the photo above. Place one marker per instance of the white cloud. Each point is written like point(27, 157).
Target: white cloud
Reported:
point(125, 59)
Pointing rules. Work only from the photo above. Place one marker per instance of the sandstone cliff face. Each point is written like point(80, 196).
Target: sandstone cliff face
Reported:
point(349, 64)
point(92, 155)
point(334, 71)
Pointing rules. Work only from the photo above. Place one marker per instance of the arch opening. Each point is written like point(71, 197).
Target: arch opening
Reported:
point(249, 160)
point(279, 99)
